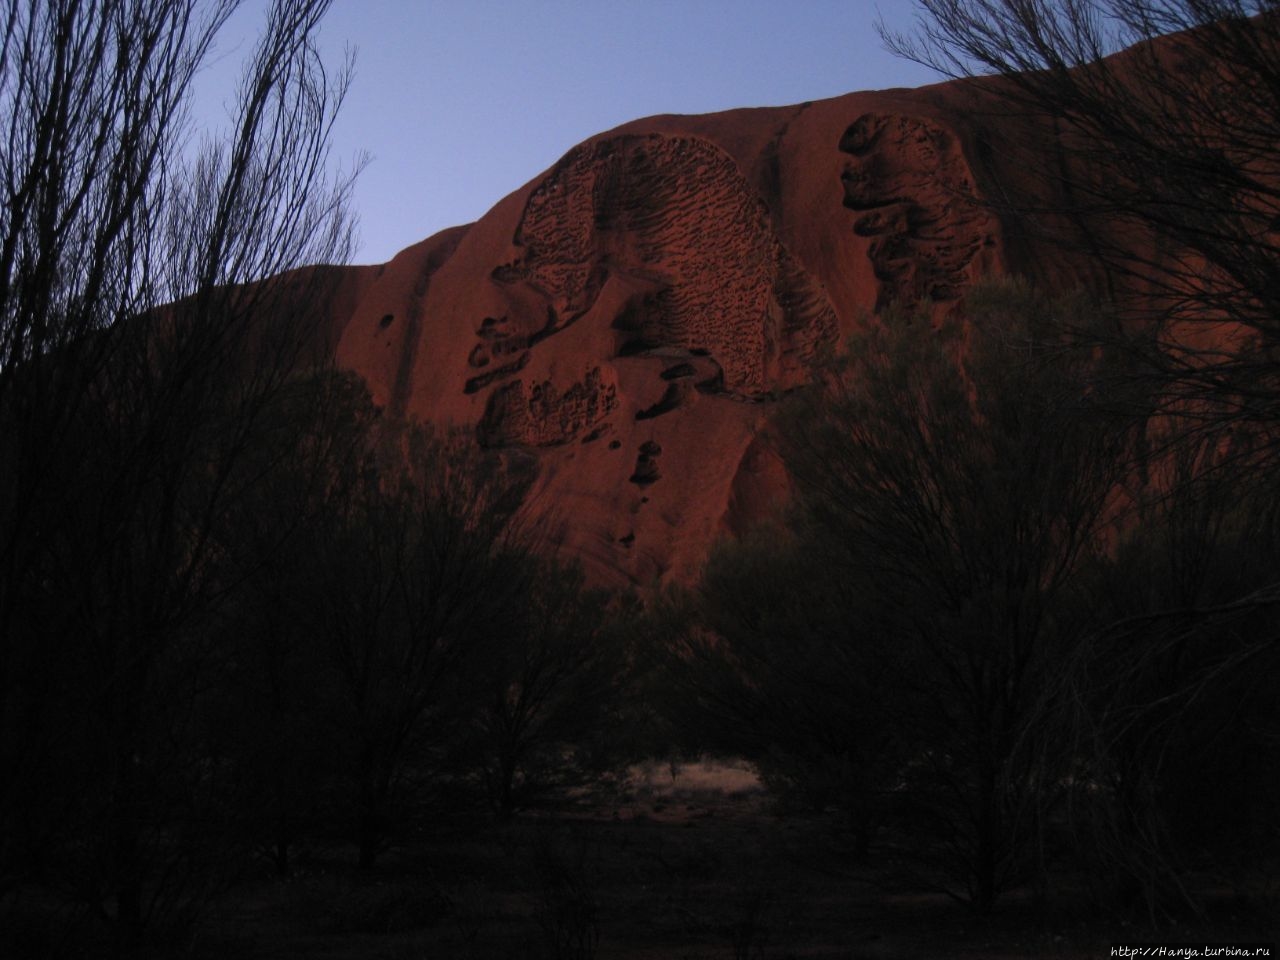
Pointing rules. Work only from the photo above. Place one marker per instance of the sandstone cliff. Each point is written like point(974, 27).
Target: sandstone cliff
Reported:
point(630, 314)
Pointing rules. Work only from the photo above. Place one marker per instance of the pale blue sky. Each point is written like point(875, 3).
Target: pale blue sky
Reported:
point(459, 102)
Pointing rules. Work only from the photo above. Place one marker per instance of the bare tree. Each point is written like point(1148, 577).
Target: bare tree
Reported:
point(413, 600)
point(551, 700)
point(267, 718)
point(145, 328)
point(954, 490)
point(1160, 164)
point(1165, 705)
point(769, 664)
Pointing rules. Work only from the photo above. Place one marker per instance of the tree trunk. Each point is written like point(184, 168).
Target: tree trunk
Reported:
point(986, 829)
point(369, 825)
point(282, 857)
point(128, 882)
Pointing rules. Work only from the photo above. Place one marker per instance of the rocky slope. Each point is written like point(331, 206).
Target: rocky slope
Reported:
point(630, 314)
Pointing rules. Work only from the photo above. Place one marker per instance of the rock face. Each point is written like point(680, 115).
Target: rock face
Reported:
point(629, 316)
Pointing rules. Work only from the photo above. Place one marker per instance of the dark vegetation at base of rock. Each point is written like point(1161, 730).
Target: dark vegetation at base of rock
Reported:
point(686, 859)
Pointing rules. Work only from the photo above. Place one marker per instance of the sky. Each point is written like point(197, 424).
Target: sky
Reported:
point(459, 102)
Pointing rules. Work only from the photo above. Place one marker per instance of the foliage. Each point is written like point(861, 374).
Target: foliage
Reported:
point(1168, 181)
point(550, 710)
point(413, 583)
point(135, 366)
point(1166, 704)
point(1167, 173)
point(240, 610)
point(778, 672)
point(900, 641)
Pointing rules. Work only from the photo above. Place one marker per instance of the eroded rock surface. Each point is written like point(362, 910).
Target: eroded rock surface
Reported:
point(544, 415)
point(912, 190)
point(676, 214)
point(630, 317)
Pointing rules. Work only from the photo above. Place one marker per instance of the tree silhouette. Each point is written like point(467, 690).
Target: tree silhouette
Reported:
point(1166, 173)
point(269, 718)
point(550, 705)
point(413, 598)
point(1164, 705)
point(145, 329)
point(1159, 163)
point(951, 490)
point(774, 668)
